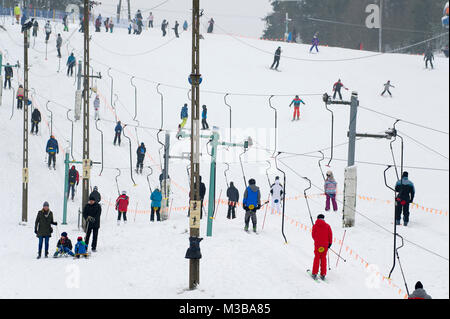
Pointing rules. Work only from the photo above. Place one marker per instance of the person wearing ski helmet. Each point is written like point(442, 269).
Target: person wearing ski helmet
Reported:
point(323, 237)
point(251, 203)
point(405, 193)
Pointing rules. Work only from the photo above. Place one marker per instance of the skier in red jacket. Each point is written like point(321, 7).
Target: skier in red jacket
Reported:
point(337, 89)
point(122, 207)
point(323, 237)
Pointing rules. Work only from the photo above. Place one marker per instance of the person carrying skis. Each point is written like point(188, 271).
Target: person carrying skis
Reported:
point(276, 60)
point(330, 192)
point(387, 86)
point(74, 178)
point(164, 26)
point(156, 198)
point(66, 26)
point(35, 28)
point(233, 199)
point(251, 203)
point(52, 149)
point(8, 75)
point(276, 190)
point(17, 13)
point(63, 246)
point(297, 101)
point(141, 150)
point(43, 228)
point(323, 237)
point(175, 28)
point(48, 31)
point(97, 107)
point(150, 20)
point(81, 248)
point(71, 61)
point(185, 25)
point(19, 96)
point(315, 43)
point(419, 292)
point(59, 42)
point(429, 57)
point(337, 89)
point(91, 214)
point(405, 195)
point(122, 206)
point(205, 125)
point(211, 26)
point(118, 131)
point(35, 120)
point(184, 115)
point(95, 193)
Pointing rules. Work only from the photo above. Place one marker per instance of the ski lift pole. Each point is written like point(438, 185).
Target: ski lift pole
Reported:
point(112, 85)
point(12, 104)
point(51, 117)
point(306, 198)
point(276, 122)
point(392, 150)
point(399, 263)
point(131, 157)
point(225, 173)
point(117, 183)
point(101, 132)
point(332, 133)
point(340, 249)
point(71, 136)
point(242, 167)
point(148, 180)
point(395, 224)
point(320, 165)
point(267, 174)
point(135, 107)
point(229, 106)
point(162, 123)
point(284, 196)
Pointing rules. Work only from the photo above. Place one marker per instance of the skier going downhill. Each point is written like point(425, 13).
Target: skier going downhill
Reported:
point(429, 57)
point(315, 43)
point(276, 59)
point(337, 89)
point(276, 190)
point(297, 101)
point(405, 195)
point(233, 199)
point(387, 86)
point(74, 179)
point(251, 203)
point(323, 237)
point(52, 149)
point(141, 150)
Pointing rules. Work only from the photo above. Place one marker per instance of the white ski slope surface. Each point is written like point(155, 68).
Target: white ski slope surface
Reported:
point(146, 260)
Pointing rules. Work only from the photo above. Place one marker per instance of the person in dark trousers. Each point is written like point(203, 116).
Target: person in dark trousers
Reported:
point(48, 31)
point(276, 60)
point(405, 195)
point(19, 96)
point(52, 149)
point(205, 125)
point(337, 89)
point(106, 23)
point(315, 43)
point(156, 198)
point(323, 237)
point(164, 26)
point(141, 150)
point(118, 131)
point(233, 199)
point(122, 207)
point(63, 246)
point(59, 42)
point(251, 203)
point(8, 75)
point(96, 195)
point(445, 51)
point(43, 228)
point(91, 213)
point(150, 20)
point(175, 28)
point(161, 178)
point(387, 86)
point(71, 61)
point(74, 178)
point(66, 26)
point(211, 26)
point(185, 25)
point(419, 292)
point(429, 57)
point(35, 120)
point(35, 28)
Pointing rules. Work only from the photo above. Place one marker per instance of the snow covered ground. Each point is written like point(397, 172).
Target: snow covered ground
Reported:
point(146, 260)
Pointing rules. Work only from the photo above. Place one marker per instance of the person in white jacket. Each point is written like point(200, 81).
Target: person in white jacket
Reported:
point(276, 190)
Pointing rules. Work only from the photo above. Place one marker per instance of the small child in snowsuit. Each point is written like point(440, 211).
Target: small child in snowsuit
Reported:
point(64, 246)
point(330, 191)
point(297, 101)
point(81, 248)
point(387, 86)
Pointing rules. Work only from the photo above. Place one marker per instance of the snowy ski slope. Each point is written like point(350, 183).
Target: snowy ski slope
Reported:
point(144, 260)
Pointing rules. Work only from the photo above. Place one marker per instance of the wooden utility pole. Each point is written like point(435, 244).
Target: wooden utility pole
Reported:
point(25, 173)
point(194, 265)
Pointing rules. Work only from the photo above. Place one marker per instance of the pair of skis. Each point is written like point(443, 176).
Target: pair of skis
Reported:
point(317, 279)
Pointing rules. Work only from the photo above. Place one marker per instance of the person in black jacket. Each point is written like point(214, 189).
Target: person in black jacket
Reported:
point(405, 195)
point(141, 150)
point(43, 228)
point(91, 213)
point(176, 29)
point(96, 195)
point(233, 199)
point(429, 57)
point(276, 60)
point(74, 178)
point(164, 26)
point(35, 120)
point(8, 75)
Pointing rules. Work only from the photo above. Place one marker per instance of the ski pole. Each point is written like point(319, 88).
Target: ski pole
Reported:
point(340, 249)
point(135, 213)
point(328, 256)
point(265, 213)
point(339, 256)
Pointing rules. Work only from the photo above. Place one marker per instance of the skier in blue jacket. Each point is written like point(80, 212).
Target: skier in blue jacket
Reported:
point(118, 131)
point(71, 61)
point(204, 117)
point(184, 115)
point(156, 198)
point(52, 149)
point(251, 203)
